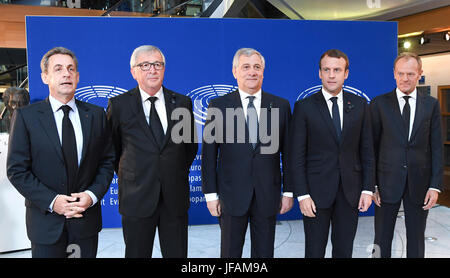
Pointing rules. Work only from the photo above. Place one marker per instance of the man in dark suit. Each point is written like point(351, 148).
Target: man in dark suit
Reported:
point(60, 158)
point(151, 161)
point(408, 151)
point(331, 160)
point(241, 159)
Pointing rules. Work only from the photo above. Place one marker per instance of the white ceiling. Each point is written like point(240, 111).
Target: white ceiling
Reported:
point(354, 9)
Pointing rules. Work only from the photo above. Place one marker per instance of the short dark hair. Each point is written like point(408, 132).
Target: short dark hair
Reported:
point(335, 53)
point(54, 51)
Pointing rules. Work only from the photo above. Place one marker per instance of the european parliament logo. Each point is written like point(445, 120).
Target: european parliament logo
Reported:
point(98, 94)
point(201, 97)
point(306, 93)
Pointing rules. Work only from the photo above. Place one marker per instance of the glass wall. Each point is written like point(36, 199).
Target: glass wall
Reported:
point(155, 7)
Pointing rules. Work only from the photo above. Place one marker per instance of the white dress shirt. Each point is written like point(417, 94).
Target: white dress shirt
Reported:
point(160, 105)
point(340, 103)
point(257, 103)
point(76, 123)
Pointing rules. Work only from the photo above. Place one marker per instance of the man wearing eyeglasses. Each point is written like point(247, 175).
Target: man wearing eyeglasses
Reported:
point(152, 169)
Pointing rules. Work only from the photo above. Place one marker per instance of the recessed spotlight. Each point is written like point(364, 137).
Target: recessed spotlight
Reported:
point(424, 40)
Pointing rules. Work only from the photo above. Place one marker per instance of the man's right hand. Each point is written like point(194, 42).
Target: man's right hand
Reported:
point(214, 208)
point(61, 207)
point(376, 197)
point(307, 207)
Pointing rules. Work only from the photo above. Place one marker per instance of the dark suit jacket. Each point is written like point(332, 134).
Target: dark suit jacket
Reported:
point(417, 163)
point(144, 169)
point(35, 166)
point(319, 162)
point(235, 170)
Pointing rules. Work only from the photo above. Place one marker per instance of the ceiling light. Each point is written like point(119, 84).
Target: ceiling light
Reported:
point(424, 40)
point(406, 44)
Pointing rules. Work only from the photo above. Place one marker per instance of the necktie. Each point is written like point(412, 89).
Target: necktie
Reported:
point(406, 114)
point(69, 148)
point(155, 123)
point(252, 122)
point(336, 117)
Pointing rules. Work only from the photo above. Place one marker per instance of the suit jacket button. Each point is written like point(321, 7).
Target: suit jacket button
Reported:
point(405, 166)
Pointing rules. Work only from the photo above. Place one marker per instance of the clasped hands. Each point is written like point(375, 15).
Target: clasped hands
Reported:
point(72, 206)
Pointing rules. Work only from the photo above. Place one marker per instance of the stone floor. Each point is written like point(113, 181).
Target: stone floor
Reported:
point(204, 240)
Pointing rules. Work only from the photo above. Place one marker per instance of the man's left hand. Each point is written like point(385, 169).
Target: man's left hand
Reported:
point(430, 199)
point(82, 204)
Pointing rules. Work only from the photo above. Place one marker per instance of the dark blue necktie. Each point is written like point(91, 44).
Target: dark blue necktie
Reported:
point(252, 121)
point(336, 117)
point(155, 123)
point(406, 115)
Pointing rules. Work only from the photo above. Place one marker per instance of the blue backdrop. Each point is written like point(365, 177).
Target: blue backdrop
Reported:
point(199, 55)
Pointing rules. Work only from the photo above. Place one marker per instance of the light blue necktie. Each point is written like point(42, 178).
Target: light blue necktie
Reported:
point(252, 122)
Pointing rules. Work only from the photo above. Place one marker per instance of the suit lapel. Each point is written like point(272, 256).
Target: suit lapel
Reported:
point(237, 104)
point(420, 107)
point(170, 103)
point(86, 118)
point(48, 123)
point(325, 113)
point(397, 114)
point(136, 108)
point(266, 103)
point(346, 115)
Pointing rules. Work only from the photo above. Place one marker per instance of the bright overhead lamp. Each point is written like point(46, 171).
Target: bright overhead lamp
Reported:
point(406, 44)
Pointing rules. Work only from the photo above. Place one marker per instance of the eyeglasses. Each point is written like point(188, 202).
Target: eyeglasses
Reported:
point(146, 66)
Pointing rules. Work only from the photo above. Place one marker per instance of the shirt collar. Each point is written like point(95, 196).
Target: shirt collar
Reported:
point(400, 94)
point(145, 96)
point(244, 95)
point(56, 104)
point(327, 95)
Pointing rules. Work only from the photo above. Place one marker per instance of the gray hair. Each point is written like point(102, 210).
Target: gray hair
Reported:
point(247, 52)
point(144, 49)
point(54, 51)
point(409, 55)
